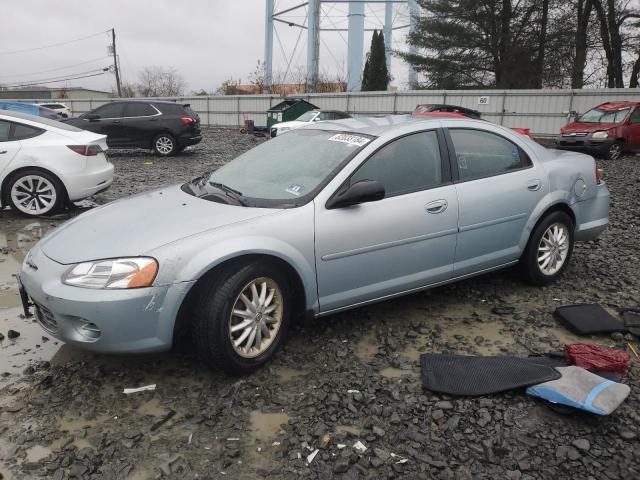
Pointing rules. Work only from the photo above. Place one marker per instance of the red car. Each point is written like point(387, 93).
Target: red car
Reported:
point(606, 130)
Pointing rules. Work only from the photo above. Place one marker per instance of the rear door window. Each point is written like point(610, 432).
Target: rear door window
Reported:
point(482, 154)
point(139, 110)
point(22, 132)
point(5, 127)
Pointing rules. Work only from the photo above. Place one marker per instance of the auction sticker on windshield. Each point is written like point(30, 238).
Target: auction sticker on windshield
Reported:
point(350, 139)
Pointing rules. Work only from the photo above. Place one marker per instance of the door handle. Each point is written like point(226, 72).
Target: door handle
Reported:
point(534, 185)
point(3, 152)
point(116, 121)
point(437, 206)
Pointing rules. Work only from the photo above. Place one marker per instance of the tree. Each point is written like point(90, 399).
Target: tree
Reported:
point(493, 43)
point(160, 82)
point(375, 76)
point(583, 16)
point(128, 90)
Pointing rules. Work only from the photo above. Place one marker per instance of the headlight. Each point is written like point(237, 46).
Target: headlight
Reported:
point(602, 134)
point(136, 272)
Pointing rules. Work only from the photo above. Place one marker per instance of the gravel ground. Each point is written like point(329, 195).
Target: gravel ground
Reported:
point(352, 377)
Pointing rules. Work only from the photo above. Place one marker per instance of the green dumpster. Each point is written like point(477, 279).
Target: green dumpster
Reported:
point(287, 110)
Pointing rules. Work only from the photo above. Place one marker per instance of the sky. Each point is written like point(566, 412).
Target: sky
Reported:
point(207, 41)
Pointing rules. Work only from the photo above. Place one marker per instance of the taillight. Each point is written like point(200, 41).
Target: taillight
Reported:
point(187, 120)
point(86, 150)
point(598, 176)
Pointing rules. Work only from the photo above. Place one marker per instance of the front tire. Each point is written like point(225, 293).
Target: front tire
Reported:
point(33, 193)
point(549, 249)
point(615, 151)
point(164, 145)
point(242, 317)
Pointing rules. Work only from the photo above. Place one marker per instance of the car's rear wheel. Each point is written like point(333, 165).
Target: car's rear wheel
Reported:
point(549, 249)
point(35, 192)
point(242, 317)
point(615, 151)
point(164, 144)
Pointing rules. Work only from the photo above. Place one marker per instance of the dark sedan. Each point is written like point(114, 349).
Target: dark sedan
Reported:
point(165, 127)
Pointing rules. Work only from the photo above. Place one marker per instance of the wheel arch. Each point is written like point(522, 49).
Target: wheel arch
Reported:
point(4, 192)
point(184, 316)
point(558, 205)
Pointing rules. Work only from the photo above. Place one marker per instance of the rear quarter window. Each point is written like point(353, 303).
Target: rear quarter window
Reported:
point(22, 132)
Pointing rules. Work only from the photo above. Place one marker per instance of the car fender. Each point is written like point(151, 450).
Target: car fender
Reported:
point(550, 200)
point(202, 261)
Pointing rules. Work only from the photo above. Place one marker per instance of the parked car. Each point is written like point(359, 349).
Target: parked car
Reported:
point(307, 118)
point(325, 218)
point(165, 127)
point(44, 163)
point(607, 130)
point(60, 108)
point(454, 111)
point(29, 108)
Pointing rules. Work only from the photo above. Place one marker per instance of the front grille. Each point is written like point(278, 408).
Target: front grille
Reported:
point(45, 318)
point(569, 144)
point(575, 134)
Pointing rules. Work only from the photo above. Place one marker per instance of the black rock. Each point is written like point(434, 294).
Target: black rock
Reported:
point(341, 465)
point(12, 334)
point(503, 310)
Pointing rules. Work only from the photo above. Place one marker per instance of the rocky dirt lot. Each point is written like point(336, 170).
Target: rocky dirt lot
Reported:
point(348, 378)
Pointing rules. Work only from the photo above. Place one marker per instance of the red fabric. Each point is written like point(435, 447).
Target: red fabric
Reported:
point(595, 358)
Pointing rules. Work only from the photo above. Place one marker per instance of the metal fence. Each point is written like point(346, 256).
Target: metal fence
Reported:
point(542, 111)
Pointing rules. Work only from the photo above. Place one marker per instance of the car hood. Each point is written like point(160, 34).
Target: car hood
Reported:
point(292, 124)
point(575, 127)
point(139, 224)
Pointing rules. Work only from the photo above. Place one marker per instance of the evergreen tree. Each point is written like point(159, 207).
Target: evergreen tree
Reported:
point(375, 76)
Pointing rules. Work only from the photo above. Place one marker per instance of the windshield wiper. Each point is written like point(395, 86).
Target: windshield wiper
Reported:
point(230, 192)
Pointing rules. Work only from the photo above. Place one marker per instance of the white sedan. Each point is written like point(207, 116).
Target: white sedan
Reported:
point(45, 163)
point(307, 118)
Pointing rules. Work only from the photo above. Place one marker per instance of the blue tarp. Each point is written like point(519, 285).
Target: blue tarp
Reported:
point(29, 108)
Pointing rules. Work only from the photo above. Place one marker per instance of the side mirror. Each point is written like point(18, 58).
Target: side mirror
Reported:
point(92, 117)
point(360, 192)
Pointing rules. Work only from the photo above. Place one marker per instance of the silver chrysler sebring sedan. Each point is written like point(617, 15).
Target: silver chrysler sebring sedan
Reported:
point(326, 218)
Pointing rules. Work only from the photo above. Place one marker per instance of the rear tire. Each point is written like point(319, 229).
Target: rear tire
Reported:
point(615, 151)
point(164, 144)
point(549, 249)
point(237, 328)
point(34, 192)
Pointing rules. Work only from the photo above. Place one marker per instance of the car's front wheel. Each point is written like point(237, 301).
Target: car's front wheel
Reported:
point(34, 192)
point(242, 318)
point(614, 152)
point(164, 144)
point(549, 249)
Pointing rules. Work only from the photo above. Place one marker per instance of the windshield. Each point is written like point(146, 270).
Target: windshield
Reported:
point(306, 116)
point(598, 115)
point(289, 166)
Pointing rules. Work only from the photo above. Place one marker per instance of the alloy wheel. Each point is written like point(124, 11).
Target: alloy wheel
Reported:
point(615, 151)
point(33, 195)
point(164, 145)
point(256, 317)
point(553, 249)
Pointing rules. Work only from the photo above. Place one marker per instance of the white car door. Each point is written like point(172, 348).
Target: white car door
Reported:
point(405, 241)
point(8, 147)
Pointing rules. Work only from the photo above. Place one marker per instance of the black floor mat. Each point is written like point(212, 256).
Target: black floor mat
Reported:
point(587, 319)
point(467, 375)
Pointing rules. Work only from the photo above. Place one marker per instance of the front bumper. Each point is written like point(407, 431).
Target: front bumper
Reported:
point(109, 321)
point(584, 144)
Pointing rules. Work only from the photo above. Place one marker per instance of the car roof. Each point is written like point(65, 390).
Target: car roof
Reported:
point(375, 126)
point(617, 105)
point(166, 102)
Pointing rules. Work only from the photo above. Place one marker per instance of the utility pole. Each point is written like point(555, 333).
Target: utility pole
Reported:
point(115, 61)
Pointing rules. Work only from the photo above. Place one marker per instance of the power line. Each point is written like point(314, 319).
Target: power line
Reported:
point(74, 76)
point(43, 47)
point(52, 69)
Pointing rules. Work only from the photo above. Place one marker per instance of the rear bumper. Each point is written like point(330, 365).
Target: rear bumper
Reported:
point(191, 139)
point(126, 321)
point(592, 215)
point(87, 183)
point(584, 144)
